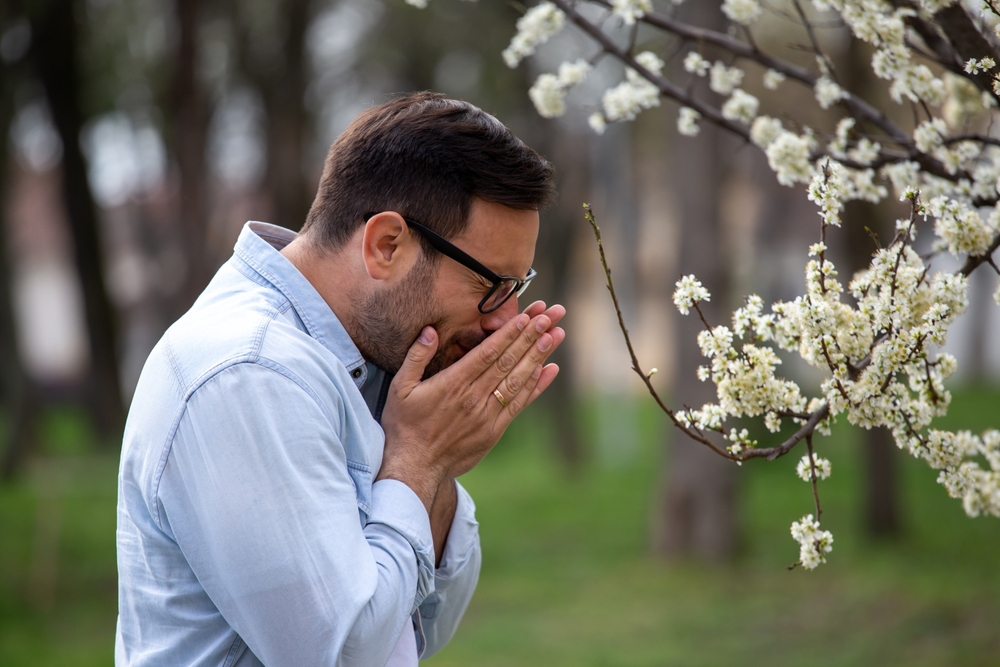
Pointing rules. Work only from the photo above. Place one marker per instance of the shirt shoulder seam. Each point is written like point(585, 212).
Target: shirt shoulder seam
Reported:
point(253, 358)
point(263, 363)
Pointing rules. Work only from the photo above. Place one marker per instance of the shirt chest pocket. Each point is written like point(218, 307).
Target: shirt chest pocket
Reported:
point(361, 475)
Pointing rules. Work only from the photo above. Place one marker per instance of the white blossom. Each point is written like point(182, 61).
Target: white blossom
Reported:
point(964, 101)
point(549, 90)
point(631, 96)
point(688, 292)
point(861, 184)
point(773, 79)
point(628, 98)
point(419, 4)
point(973, 66)
point(742, 11)
point(866, 151)
point(828, 93)
point(572, 73)
point(597, 122)
point(765, 130)
point(723, 80)
point(804, 469)
point(536, 27)
point(650, 61)
point(741, 106)
point(687, 122)
point(548, 95)
point(788, 156)
point(838, 147)
point(813, 542)
point(630, 10)
point(716, 342)
point(903, 175)
point(929, 135)
point(696, 64)
point(960, 227)
point(828, 190)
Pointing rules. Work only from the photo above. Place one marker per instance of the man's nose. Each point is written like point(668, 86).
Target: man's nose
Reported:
point(490, 322)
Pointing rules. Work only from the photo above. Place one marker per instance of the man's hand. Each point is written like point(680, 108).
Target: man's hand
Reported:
point(440, 428)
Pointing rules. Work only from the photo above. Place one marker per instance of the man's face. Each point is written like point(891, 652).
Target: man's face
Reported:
point(446, 295)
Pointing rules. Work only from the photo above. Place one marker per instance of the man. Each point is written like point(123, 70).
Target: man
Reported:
point(287, 490)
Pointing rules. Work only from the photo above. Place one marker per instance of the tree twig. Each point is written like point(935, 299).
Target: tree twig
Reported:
point(769, 453)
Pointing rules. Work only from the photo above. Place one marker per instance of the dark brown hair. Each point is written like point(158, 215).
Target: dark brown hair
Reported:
point(426, 157)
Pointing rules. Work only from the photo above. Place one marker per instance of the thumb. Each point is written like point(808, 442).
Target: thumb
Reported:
point(417, 358)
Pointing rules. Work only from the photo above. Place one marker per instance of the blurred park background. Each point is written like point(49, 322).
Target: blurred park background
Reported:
point(136, 138)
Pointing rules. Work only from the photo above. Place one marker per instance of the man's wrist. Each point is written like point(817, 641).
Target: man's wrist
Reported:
point(442, 514)
point(425, 484)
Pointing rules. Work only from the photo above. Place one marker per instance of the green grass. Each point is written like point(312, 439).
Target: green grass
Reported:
point(58, 579)
point(567, 576)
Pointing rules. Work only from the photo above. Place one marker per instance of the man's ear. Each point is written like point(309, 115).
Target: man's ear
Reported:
point(388, 247)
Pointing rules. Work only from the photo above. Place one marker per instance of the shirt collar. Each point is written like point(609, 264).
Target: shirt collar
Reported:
point(258, 249)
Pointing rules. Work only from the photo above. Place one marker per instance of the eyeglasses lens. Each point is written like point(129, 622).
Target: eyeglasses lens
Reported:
point(500, 295)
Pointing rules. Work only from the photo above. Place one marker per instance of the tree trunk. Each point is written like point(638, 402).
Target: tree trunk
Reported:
point(881, 497)
point(556, 246)
point(279, 72)
point(189, 110)
point(981, 286)
point(287, 122)
point(54, 52)
point(698, 512)
point(16, 391)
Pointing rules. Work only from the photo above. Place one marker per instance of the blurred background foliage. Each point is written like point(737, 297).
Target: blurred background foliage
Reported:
point(137, 136)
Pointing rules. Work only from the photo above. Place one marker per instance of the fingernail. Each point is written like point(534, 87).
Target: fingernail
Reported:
point(542, 324)
point(545, 342)
point(427, 336)
point(522, 321)
point(535, 373)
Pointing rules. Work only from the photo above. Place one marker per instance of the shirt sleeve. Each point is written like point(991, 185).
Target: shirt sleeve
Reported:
point(256, 492)
point(455, 580)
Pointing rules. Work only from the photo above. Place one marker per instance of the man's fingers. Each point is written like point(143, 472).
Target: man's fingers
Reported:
point(518, 378)
point(555, 313)
point(535, 309)
point(517, 401)
point(505, 346)
point(508, 358)
point(486, 353)
point(549, 373)
point(417, 358)
point(538, 381)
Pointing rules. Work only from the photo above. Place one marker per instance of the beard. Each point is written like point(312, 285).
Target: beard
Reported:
point(390, 320)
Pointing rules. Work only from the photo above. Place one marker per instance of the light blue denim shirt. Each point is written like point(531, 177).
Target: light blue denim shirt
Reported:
point(249, 529)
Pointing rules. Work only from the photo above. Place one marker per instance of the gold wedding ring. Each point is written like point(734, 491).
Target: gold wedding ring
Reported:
point(503, 401)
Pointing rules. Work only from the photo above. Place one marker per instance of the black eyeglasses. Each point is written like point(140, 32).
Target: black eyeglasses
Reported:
point(503, 286)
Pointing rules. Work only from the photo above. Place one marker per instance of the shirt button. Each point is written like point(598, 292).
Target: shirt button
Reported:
point(356, 373)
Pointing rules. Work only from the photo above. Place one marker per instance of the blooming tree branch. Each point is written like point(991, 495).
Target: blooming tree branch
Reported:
point(877, 350)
